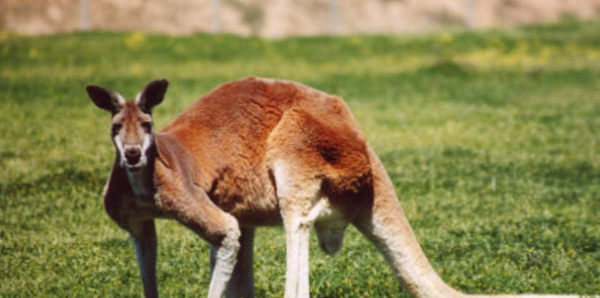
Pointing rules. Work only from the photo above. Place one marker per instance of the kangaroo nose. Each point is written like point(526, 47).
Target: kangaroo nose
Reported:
point(132, 154)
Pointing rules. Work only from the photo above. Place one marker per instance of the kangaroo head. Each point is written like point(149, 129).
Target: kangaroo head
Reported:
point(131, 130)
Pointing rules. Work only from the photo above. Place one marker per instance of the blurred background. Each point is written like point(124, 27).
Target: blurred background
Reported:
point(277, 18)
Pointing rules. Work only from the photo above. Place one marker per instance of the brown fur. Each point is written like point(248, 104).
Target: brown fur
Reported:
point(219, 152)
point(130, 117)
point(236, 131)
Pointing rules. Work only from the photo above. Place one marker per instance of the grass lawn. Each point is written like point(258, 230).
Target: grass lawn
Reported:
point(492, 140)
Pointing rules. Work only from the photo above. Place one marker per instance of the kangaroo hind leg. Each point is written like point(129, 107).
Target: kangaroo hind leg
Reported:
point(299, 200)
point(308, 160)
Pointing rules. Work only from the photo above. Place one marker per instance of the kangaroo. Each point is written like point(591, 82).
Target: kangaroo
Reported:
point(257, 152)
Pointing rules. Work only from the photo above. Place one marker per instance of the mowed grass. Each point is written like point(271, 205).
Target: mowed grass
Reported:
point(492, 140)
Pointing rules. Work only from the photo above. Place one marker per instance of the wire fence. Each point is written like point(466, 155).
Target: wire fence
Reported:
point(280, 18)
point(334, 15)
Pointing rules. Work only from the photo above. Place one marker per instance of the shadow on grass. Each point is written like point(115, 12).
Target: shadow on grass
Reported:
point(63, 177)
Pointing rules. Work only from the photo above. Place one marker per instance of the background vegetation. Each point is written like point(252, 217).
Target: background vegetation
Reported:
point(491, 138)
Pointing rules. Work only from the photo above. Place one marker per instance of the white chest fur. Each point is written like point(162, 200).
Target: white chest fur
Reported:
point(140, 183)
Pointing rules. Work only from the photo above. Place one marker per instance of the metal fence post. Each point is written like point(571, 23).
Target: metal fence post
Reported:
point(470, 13)
point(334, 11)
point(216, 16)
point(85, 14)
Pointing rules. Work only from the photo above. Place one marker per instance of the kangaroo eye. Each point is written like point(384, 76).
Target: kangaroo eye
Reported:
point(116, 128)
point(147, 126)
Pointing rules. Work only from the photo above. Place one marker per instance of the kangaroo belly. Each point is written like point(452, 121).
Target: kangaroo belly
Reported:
point(251, 211)
point(249, 197)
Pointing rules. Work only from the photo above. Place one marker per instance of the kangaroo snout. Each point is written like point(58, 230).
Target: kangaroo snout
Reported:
point(133, 154)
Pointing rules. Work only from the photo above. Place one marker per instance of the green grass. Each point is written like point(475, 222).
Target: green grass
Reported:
point(492, 140)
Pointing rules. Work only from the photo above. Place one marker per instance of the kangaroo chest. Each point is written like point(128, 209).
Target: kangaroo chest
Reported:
point(140, 183)
point(141, 198)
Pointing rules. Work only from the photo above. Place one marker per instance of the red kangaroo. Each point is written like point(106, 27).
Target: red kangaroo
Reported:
point(257, 152)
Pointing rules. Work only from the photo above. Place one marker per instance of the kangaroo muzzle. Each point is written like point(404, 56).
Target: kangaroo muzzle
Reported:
point(133, 154)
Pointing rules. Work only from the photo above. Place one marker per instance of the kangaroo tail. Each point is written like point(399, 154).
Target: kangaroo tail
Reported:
point(386, 226)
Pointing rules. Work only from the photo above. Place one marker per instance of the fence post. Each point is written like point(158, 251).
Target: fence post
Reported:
point(470, 13)
point(85, 14)
point(334, 11)
point(216, 16)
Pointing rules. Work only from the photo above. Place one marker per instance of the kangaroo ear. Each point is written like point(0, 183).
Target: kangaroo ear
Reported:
point(105, 98)
point(152, 95)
